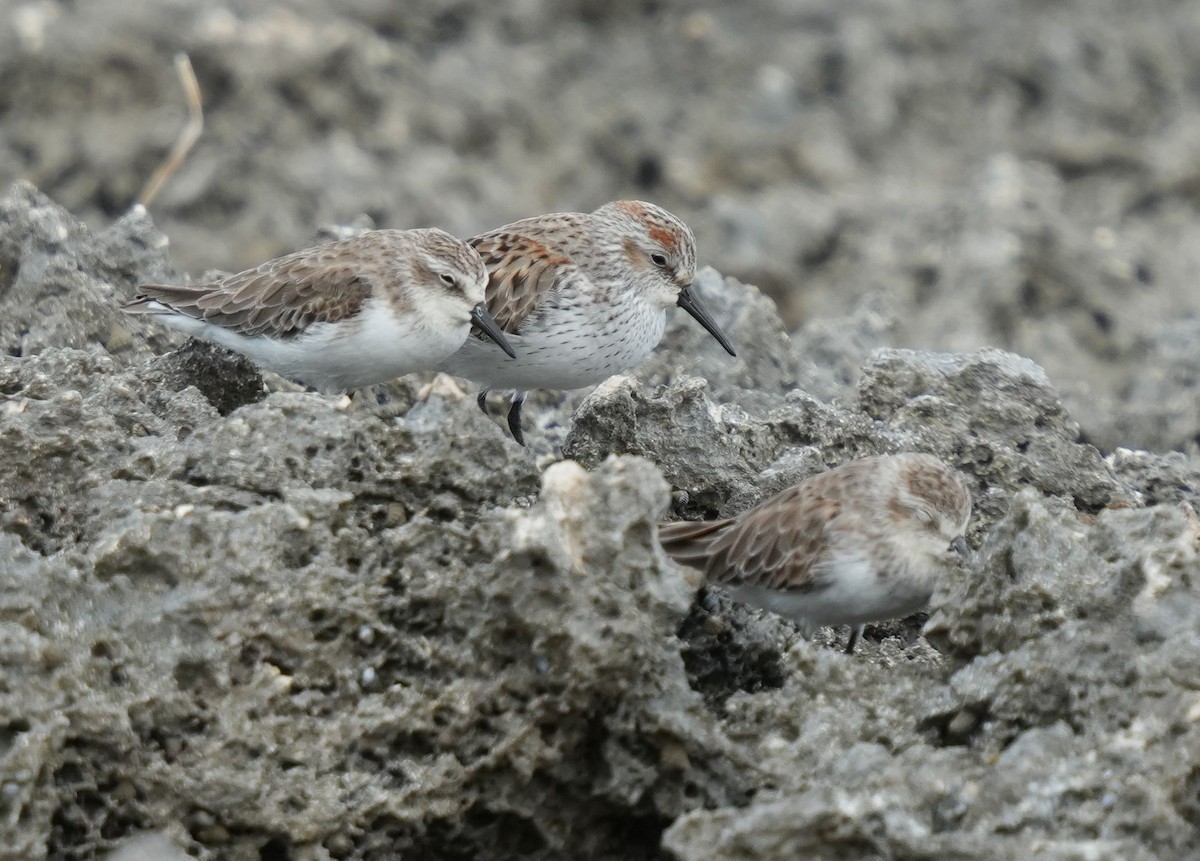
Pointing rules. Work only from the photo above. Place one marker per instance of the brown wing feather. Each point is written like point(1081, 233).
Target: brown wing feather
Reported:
point(282, 297)
point(781, 542)
point(528, 262)
point(687, 541)
point(774, 545)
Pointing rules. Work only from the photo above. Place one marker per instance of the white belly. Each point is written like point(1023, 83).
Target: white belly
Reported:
point(854, 594)
point(373, 347)
point(574, 349)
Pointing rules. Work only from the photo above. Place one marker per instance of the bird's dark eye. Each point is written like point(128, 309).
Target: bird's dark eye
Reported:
point(659, 260)
point(447, 279)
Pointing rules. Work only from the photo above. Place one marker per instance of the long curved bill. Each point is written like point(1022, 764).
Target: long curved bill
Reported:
point(482, 318)
point(689, 303)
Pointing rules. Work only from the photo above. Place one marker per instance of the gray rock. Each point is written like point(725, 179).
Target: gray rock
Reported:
point(767, 361)
point(1046, 567)
point(290, 624)
point(1074, 669)
point(60, 286)
point(712, 452)
point(226, 379)
point(1002, 418)
point(1158, 408)
point(992, 414)
point(1022, 181)
point(1159, 478)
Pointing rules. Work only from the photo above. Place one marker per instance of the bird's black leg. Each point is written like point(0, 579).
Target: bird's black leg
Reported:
point(482, 401)
point(855, 635)
point(514, 417)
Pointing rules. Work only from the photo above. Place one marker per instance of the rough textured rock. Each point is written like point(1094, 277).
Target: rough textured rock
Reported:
point(1004, 420)
point(247, 621)
point(998, 173)
point(766, 362)
point(1067, 713)
point(252, 623)
point(992, 414)
point(66, 282)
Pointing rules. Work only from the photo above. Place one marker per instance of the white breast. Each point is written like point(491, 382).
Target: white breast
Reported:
point(579, 344)
point(852, 593)
point(373, 347)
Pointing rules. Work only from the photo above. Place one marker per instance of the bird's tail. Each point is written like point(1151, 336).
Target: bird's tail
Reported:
point(167, 299)
point(142, 304)
point(688, 542)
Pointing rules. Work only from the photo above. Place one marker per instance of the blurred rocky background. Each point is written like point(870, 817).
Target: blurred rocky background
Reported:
point(240, 621)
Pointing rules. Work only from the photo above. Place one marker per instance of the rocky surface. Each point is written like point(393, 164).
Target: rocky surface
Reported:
point(251, 622)
point(987, 172)
point(240, 621)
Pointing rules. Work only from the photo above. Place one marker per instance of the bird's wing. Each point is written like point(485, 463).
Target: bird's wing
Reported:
point(528, 264)
point(783, 543)
point(282, 297)
point(776, 545)
point(687, 541)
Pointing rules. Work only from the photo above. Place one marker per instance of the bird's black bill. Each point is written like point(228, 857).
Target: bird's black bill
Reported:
point(689, 303)
point(959, 546)
point(482, 318)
